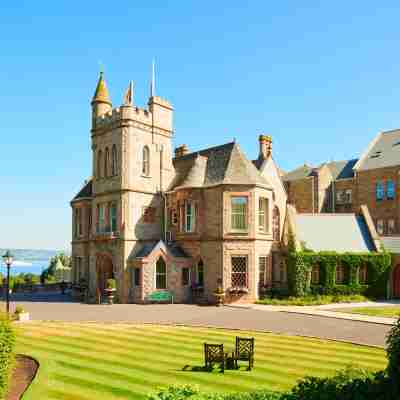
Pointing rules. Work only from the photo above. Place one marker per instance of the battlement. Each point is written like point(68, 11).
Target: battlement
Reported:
point(124, 113)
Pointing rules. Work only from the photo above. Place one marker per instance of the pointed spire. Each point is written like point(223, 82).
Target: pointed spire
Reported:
point(128, 96)
point(101, 94)
point(153, 80)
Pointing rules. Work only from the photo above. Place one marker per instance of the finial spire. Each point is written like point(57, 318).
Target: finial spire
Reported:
point(153, 80)
point(101, 93)
point(128, 97)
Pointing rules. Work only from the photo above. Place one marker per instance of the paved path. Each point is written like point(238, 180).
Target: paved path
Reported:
point(335, 310)
point(222, 317)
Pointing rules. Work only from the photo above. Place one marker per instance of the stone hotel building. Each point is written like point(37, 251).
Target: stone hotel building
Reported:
point(189, 222)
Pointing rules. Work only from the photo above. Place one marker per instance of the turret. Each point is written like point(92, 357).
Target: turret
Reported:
point(101, 103)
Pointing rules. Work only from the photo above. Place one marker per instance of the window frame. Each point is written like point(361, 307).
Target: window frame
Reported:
point(162, 274)
point(316, 275)
point(391, 226)
point(380, 226)
point(137, 277)
point(262, 272)
point(340, 273)
point(114, 160)
point(234, 274)
point(186, 278)
point(113, 219)
point(189, 223)
point(390, 190)
point(146, 161)
point(238, 214)
point(263, 214)
point(379, 191)
point(363, 273)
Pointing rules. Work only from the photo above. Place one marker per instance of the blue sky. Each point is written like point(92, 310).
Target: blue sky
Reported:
point(321, 77)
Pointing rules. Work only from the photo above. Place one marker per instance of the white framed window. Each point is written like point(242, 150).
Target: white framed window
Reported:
point(161, 274)
point(391, 226)
point(239, 272)
point(263, 213)
point(146, 161)
point(263, 265)
point(348, 196)
point(380, 227)
point(190, 216)
point(239, 211)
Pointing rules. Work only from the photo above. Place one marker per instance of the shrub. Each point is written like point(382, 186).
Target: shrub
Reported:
point(193, 393)
point(19, 310)
point(393, 353)
point(7, 343)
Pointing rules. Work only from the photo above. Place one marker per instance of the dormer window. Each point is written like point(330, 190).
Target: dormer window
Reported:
point(146, 161)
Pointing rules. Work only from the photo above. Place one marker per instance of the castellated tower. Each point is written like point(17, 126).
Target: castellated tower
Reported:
point(132, 167)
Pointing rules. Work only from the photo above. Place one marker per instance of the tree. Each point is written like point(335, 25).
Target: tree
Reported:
point(48, 275)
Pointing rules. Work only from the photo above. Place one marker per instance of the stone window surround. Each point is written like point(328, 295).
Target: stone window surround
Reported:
point(186, 280)
point(78, 224)
point(232, 272)
point(231, 195)
point(146, 161)
point(107, 168)
point(266, 227)
point(165, 274)
point(266, 273)
point(105, 227)
point(137, 277)
point(182, 216)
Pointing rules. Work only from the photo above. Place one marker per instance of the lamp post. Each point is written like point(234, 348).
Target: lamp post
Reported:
point(8, 259)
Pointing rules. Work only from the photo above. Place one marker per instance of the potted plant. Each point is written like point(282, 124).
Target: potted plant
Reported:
point(219, 293)
point(21, 314)
point(110, 290)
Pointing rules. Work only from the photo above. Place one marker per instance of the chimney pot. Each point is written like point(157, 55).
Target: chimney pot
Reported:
point(265, 146)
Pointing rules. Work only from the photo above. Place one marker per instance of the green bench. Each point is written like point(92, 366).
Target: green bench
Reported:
point(161, 297)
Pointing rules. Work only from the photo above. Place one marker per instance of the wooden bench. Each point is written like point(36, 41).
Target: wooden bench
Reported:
point(161, 297)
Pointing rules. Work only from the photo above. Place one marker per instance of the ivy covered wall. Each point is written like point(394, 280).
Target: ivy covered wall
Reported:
point(300, 264)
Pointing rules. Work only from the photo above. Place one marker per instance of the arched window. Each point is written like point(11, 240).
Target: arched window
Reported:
point(99, 163)
point(276, 227)
point(161, 274)
point(106, 162)
point(200, 273)
point(114, 160)
point(146, 161)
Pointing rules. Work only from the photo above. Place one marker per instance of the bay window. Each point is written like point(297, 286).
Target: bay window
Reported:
point(263, 210)
point(190, 216)
point(239, 213)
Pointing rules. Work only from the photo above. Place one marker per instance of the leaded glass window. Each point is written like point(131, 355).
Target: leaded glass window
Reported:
point(239, 272)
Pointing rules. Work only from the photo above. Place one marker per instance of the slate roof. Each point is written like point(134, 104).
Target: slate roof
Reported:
point(342, 169)
point(225, 164)
point(148, 248)
point(391, 244)
point(85, 192)
point(383, 151)
point(299, 173)
point(333, 232)
point(338, 169)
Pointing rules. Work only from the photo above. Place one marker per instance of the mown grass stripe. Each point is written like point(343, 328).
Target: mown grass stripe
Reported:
point(260, 345)
point(335, 359)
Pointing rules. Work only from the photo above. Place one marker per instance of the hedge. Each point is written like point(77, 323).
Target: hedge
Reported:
point(7, 343)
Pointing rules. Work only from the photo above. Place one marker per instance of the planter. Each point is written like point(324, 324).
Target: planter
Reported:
point(110, 293)
point(220, 295)
point(22, 317)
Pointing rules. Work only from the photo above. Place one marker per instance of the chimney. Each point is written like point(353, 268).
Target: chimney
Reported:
point(265, 146)
point(181, 150)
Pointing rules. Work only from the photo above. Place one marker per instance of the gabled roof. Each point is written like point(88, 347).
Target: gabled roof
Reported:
point(170, 248)
point(341, 169)
point(383, 151)
point(85, 192)
point(225, 164)
point(338, 169)
point(299, 173)
point(333, 232)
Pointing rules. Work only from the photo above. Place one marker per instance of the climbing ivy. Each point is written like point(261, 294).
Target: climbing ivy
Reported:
point(300, 264)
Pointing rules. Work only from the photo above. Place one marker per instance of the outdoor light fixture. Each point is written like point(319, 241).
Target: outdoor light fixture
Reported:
point(8, 259)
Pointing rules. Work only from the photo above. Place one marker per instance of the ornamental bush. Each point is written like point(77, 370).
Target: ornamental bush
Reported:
point(7, 343)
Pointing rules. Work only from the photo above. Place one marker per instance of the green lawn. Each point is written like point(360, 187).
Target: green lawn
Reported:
point(388, 311)
point(81, 361)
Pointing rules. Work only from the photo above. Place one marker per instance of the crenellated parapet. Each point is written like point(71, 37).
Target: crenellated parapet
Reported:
point(158, 117)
